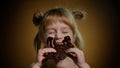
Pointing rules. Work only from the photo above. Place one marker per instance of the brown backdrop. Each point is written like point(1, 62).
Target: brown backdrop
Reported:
point(98, 30)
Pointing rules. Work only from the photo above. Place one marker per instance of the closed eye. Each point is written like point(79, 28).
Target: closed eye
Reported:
point(51, 32)
point(64, 32)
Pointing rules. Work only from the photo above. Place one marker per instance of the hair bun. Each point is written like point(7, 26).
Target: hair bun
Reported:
point(37, 18)
point(78, 14)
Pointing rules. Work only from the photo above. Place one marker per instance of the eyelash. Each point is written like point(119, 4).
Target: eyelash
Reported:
point(51, 32)
point(65, 32)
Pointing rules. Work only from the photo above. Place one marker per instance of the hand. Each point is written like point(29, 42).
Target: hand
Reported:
point(40, 56)
point(79, 56)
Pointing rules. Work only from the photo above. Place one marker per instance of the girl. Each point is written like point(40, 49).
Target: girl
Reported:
point(58, 23)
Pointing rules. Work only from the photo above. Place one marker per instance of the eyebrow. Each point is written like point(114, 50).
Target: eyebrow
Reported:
point(54, 28)
point(49, 29)
point(65, 28)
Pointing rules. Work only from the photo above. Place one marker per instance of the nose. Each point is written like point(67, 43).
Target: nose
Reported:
point(58, 36)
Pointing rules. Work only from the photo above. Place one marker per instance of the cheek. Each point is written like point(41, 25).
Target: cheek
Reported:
point(46, 36)
point(72, 37)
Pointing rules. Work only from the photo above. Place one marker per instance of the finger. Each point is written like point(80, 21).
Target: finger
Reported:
point(42, 51)
point(75, 50)
point(46, 50)
point(79, 53)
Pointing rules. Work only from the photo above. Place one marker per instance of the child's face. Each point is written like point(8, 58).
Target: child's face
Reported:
point(58, 31)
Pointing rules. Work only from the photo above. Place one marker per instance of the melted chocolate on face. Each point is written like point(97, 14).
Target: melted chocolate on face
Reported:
point(60, 54)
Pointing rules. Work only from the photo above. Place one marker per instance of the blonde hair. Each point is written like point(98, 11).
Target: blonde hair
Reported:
point(60, 14)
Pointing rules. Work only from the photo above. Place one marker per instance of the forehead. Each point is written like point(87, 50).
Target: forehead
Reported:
point(52, 19)
point(57, 24)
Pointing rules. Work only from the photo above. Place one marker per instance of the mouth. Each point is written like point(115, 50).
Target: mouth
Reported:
point(58, 43)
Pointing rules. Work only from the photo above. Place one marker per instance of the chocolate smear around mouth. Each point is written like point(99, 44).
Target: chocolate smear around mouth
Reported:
point(60, 48)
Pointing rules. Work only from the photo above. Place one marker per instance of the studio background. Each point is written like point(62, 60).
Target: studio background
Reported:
point(100, 30)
